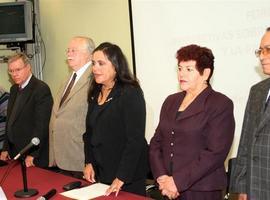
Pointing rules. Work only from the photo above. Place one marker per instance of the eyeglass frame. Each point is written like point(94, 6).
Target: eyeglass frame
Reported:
point(265, 51)
point(12, 71)
point(73, 51)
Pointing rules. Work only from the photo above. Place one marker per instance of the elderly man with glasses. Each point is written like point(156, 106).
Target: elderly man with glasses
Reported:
point(250, 176)
point(67, 124)
point(28, 113)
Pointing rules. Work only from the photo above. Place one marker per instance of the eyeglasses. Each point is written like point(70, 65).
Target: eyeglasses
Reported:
point(265, 51)
point(12, 71)
point(73, 50)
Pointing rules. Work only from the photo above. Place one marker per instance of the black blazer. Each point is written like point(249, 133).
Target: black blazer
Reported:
point(30, 119)
point(115, 142)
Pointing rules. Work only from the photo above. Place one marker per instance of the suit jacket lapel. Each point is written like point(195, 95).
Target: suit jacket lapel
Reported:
point(114, 94)
point(196, 106)
point(11, 101)
point(264, 115)
point(26, 93)
point(60, 94)
point(80, 83)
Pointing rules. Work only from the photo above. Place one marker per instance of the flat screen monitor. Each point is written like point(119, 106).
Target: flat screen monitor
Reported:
point(16, 22)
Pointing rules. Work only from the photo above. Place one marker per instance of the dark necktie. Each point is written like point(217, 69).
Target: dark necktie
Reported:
point(267, 103)
point(69, 87)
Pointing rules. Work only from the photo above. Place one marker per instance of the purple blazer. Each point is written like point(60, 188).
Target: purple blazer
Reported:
point(193, 146)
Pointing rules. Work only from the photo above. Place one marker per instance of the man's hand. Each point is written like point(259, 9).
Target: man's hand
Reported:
point(29, 161)
point(4, 156)
point(242, 196)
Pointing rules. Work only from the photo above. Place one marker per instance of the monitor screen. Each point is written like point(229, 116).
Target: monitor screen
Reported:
point(16, 24)
point(12, 18)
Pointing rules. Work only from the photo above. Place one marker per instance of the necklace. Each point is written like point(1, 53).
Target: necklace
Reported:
point(104, 93)
point(106, 89)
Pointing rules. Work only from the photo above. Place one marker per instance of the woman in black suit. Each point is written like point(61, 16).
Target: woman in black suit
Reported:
point(114, 142)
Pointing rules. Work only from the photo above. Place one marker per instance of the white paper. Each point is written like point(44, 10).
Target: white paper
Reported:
point(88, 192)
point(2, 194)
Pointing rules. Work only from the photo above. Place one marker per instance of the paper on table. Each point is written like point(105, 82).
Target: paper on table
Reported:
point(89, 192)
point(2, 194)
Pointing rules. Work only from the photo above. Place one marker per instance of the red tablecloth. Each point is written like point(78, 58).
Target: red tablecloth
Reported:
point(44, 180)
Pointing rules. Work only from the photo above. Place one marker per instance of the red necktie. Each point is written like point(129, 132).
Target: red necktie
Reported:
point(69, 87)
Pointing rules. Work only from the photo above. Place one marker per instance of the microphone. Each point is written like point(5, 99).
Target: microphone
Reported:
point(48, 195)
point(34, 142)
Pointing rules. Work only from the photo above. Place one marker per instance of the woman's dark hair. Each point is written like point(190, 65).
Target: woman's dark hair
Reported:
point(203, 56)
point(123, 75)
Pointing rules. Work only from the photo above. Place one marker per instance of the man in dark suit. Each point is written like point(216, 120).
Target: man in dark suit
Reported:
point(28, 113)
point(251, 170)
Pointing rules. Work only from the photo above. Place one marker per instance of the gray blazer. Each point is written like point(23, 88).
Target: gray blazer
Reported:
point(67, 125)
point(251, 170)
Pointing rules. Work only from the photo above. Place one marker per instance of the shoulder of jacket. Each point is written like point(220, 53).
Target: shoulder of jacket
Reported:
point(216, 98)
point(261, 83)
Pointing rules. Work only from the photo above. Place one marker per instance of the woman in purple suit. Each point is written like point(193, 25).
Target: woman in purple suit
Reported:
point(194, 134)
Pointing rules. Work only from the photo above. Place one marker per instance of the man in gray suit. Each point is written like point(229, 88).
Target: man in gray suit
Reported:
point(251, 170)
point(67, 124)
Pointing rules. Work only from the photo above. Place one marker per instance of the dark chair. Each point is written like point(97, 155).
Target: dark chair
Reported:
point(229, 172)
point(2, 131)
point(3, 107)
point(2, 137)
point(152, 190)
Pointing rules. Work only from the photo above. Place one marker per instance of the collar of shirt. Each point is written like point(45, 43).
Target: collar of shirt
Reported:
point(26, 82)
point(267, 95)
point(81, 71)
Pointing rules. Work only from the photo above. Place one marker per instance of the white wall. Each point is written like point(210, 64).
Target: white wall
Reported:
point(232, 29)
point(60, 20)
point(102, 20)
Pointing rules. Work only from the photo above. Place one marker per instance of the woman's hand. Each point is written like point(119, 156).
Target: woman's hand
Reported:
point(168, 187)
point(115, 187)
point(169, 194)
point(89, 173)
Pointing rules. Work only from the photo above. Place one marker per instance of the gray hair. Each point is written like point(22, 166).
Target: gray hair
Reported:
point(18, 56)
point(90, 45)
